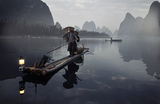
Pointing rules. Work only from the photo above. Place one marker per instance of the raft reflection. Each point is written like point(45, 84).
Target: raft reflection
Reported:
point(34, 80)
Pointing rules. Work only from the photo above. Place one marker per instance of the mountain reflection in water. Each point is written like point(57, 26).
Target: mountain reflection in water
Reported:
point(145, 49)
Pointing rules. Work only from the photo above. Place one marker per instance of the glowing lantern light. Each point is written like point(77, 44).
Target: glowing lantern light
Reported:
point(21, 92)
point(21, 87)
point(21, 61)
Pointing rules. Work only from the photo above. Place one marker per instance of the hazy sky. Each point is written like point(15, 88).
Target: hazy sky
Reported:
point(109, 13)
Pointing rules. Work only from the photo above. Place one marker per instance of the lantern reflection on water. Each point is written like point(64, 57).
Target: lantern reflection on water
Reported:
point(21, 87)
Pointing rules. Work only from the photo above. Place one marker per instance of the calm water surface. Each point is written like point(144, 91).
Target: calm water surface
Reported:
point(112, 73)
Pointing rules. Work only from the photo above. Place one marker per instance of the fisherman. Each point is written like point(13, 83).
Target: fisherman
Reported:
point(72, 38)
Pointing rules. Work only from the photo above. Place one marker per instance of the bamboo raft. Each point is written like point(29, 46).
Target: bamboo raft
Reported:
point(54, 66)
point(114, 40)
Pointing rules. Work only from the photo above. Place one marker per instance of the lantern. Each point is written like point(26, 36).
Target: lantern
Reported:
point(21, 61)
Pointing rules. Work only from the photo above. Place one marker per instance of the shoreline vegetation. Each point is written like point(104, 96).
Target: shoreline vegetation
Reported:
point(46, 37)
point(15, 29)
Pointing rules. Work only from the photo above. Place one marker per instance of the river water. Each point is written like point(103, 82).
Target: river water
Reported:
point(124, 72)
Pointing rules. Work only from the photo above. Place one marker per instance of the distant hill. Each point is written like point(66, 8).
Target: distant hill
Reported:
point(58, 26)
point(152, 20)
point(28, 11)
point(104, 29)
point(26, 18)
point(149, 25)
point(89, 26)
point(128, 25)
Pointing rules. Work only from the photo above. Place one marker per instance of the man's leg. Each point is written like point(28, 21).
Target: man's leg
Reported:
point(72, 49)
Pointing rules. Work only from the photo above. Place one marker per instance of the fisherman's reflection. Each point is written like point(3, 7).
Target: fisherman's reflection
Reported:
point(70, 76)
